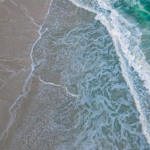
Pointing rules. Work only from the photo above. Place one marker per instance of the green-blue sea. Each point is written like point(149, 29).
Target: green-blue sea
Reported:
point(93, 63)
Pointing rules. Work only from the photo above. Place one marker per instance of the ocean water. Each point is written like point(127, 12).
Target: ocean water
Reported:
point(89, 87)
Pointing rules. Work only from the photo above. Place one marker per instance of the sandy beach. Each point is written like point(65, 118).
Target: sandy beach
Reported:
point(81, 82)
point(19, 24)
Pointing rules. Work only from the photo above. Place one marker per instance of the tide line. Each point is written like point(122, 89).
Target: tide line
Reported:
point(57, 85)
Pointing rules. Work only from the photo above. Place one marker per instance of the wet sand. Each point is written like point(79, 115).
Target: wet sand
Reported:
point(19, 24)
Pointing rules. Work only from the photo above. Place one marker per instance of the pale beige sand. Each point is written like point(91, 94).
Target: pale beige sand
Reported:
point(19, 25)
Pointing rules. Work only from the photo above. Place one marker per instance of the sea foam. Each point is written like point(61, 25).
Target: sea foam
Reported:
point(126, 37)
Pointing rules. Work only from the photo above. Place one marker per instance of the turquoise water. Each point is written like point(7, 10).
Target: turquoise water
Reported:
point(97, 52)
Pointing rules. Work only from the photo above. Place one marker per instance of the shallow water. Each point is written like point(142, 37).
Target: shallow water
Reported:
point(89, 85)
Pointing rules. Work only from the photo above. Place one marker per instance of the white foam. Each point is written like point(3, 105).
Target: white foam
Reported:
point(122, 32)
point(57, 85)
point(123, 35)
point(119, 28)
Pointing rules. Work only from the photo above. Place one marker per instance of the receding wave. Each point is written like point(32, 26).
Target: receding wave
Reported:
point(127, 38)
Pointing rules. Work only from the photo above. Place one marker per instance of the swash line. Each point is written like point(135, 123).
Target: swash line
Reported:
point(57, 85)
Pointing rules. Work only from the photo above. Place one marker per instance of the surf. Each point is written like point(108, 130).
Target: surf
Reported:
point(127, 38)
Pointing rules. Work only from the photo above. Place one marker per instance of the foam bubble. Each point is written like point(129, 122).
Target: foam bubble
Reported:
point(50, 83)
point(123, 32)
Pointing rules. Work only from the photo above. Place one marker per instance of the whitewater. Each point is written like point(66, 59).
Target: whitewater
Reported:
point(126, 37)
